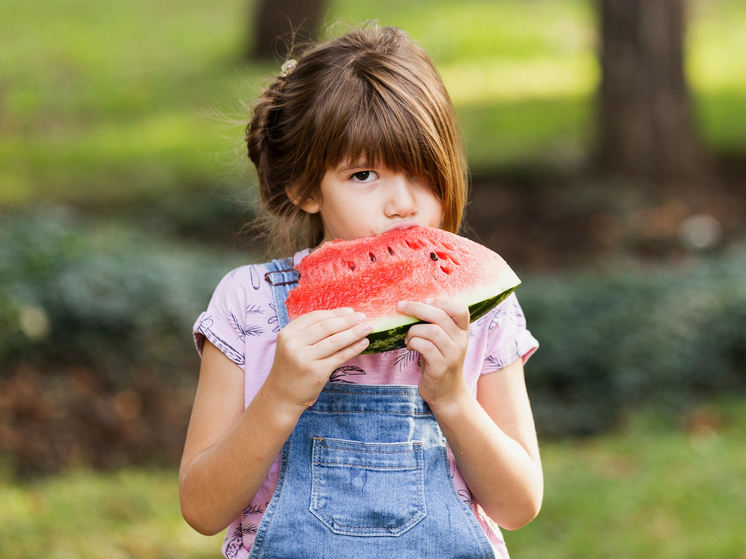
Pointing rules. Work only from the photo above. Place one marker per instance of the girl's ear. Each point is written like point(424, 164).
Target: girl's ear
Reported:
point(310, 206)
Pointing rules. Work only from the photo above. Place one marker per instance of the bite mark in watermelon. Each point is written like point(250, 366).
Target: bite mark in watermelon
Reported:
point(372, 274)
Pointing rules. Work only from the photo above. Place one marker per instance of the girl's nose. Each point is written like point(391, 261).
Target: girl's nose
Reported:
point(401, 200)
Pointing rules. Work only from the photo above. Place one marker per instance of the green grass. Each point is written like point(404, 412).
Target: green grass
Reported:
point(651, 490)
point(90, 515)
point(105, 102)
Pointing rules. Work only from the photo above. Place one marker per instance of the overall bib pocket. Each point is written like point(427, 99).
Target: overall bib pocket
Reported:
point(367, 489)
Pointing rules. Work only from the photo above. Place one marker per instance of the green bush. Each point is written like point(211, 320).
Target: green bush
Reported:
point(659, 336)
point(107, 297)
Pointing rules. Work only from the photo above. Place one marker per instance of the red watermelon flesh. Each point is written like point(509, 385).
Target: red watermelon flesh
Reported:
point(372, 274)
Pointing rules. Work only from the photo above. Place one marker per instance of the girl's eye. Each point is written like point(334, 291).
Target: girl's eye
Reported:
point(365, 176)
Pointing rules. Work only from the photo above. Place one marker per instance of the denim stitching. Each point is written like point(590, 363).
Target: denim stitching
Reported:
point(423, 414)
point(420, 508)
point(478, 533)
point(261, 533)
point(366, 466)
point(373, 451)
point(361, 392)
point(313, 507)
point(363, 529)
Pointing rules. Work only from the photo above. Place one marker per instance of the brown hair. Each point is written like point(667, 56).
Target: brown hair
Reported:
point(371, 95)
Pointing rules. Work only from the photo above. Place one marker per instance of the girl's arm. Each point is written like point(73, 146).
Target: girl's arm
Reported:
point(229, 450)
point(494, 441)
point(492, 436)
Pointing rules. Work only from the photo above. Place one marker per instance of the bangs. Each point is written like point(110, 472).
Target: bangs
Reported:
point(370, 97)
point(372, 124)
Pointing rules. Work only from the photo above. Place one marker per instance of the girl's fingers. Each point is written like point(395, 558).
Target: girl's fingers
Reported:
point(348, 353)
point(429, 351)
point(445, 313)
point(309, 319)
point(327, 327)
point(458, 312)
point(433, 333)
point(330, 345)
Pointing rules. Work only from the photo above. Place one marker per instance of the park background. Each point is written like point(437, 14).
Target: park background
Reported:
point(124, 187)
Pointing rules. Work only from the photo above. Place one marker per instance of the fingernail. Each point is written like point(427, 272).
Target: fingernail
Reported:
point(366, 327)
point(359, 316)
point(401, 304)
point(347, 311)
point(429, 301)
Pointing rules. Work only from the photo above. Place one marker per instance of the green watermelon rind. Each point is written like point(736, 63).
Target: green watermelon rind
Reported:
point(393, 338)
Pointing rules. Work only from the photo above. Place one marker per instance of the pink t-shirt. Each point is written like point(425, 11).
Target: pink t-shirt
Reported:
point(241, 321)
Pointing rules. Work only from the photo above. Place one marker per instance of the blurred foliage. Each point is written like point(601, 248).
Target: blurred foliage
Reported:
point(652, 489)
point(609, 342)
point(104, 296)
point(105, 104)
point(97, 363)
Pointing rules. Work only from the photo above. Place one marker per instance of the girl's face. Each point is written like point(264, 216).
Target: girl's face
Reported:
point(360, 201)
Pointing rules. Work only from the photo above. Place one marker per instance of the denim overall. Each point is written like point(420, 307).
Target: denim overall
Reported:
point(364, 474)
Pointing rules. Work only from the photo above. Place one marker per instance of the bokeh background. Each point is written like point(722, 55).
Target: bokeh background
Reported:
point(607, 146)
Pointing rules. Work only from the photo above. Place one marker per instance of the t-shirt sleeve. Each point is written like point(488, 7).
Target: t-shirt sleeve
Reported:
point(223, 321)
point(508, 339)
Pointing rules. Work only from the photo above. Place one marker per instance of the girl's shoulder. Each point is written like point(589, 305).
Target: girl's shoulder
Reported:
point(504, 335)
point(508, 314)
point(242, 309)
point(249, 282)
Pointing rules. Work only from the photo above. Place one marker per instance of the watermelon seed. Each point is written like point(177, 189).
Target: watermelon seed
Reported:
point(372, 257)
point(351, 266)
point(434, 256)
point(391, 252)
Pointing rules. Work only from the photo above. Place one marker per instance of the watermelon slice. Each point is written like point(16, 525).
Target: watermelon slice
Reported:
point(372, 274)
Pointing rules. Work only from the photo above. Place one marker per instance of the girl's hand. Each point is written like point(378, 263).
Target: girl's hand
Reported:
point(309, 349)
point(441, 342)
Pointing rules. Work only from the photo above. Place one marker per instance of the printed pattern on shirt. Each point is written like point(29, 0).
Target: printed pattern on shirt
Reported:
point(508, 352)
point(405, 357)
point(466, 497)
point(274, 320)
point(233, 543)
point(255, 282)
point(253, 509)
point(243, 331)
point(349, 370)
point(205, 328)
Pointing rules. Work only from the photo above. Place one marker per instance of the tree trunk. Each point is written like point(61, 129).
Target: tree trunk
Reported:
point(287, 22)
point(646, 125)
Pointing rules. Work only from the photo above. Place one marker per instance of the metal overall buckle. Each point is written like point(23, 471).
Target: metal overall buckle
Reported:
point(269, 280)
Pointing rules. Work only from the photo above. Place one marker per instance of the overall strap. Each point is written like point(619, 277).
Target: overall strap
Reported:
point(283, 278)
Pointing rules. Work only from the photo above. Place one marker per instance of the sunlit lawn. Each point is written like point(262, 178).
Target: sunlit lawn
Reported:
point(652, 490)
point(103, 102)
point(87, 515)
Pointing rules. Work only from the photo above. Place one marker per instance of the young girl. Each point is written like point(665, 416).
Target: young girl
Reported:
point(298, 444)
